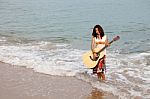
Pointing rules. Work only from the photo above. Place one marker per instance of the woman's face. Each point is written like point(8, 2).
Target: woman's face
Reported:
point(96, 29)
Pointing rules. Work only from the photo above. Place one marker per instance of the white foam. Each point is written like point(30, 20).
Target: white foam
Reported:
point(124, 73)
point(3, 39)
point(59, 61)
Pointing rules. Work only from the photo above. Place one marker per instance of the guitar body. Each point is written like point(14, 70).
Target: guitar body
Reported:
point(88, 56)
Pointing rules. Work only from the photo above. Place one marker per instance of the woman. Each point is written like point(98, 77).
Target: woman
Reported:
point(99, 40)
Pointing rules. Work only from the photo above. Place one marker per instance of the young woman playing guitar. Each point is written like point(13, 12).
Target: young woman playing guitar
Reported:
point(99, 40)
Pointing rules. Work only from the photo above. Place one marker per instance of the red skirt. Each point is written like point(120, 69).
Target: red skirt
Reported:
point(100, 67)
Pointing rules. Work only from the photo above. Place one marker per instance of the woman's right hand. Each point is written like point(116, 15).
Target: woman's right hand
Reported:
point(95, 55)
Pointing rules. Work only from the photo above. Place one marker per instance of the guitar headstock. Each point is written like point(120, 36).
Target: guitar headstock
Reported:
point(116, 38)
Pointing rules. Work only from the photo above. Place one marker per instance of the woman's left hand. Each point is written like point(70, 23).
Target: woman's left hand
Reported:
point(107, 43)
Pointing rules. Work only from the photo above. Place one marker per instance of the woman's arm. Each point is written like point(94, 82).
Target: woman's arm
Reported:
point(92, 44)
point(107, 42)
point(93, 47)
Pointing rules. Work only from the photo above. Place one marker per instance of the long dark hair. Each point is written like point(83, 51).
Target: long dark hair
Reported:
point(100, 29)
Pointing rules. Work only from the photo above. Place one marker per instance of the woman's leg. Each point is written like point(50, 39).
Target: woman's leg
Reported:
point(95, 70)
point(102, 76)
point(101, 69)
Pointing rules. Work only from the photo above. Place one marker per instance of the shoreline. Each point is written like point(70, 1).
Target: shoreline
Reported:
point(23, 83)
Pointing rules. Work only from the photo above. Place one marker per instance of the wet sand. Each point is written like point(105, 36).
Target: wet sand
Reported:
point(23, 83)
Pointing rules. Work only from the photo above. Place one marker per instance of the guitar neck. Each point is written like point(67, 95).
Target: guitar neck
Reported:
point(105, 47)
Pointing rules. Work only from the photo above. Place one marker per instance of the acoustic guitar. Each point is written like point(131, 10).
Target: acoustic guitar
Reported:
point(89, 61)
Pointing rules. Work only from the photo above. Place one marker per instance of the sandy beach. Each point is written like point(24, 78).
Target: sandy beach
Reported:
point(23, 83)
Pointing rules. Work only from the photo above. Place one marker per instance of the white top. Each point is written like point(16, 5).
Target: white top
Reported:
point(100, 46)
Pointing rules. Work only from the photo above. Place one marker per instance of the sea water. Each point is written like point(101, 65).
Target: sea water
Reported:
point(50, 37)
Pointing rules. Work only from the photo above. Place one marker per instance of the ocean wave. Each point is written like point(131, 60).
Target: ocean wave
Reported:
point(127, 74)
point(45, 57)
